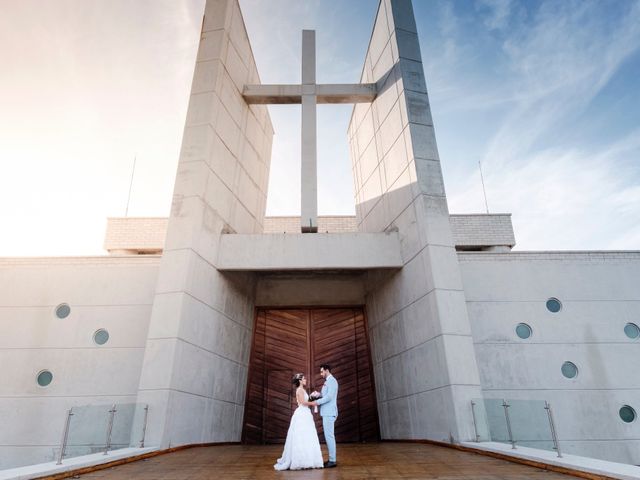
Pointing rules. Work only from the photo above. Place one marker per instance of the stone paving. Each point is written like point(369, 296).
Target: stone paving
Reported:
point(355, 461)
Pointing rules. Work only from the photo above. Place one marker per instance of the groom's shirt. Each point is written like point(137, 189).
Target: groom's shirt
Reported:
point(329, 400)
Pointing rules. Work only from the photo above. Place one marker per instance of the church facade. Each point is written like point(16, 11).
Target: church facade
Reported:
point(423, 314)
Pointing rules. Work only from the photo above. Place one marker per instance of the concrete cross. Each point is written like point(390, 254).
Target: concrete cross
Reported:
point(309, 94)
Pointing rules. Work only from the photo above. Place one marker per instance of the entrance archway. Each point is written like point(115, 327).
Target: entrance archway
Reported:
point(287, 341)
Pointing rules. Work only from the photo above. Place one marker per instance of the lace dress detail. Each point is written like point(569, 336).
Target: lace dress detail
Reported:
point(302, 447)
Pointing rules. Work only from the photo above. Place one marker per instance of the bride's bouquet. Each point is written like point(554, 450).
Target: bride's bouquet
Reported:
point(314, 396)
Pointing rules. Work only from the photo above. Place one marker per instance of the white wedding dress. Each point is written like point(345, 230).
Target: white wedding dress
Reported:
point(302, 447)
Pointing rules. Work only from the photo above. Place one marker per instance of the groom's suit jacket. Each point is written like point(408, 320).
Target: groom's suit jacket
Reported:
point(329, 400)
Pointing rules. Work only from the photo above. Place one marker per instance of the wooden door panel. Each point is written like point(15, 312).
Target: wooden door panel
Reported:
point(285, 355)
point(334, 343)
point(278, 405)
point(253, 428)
point(368, 413)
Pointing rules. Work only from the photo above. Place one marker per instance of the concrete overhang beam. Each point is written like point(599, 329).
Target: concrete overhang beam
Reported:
point(322, 251)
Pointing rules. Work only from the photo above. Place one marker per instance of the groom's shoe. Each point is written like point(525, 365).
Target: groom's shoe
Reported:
point(330, 464)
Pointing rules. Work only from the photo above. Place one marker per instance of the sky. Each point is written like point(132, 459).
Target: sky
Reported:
point(545, 94)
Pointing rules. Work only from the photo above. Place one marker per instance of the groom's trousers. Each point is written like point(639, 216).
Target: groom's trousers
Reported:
point(329, 436)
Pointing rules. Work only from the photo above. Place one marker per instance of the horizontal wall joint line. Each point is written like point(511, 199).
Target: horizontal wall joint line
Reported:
point(200, 348)
point(190, 393)
point(209, 306)
point(421, 344)
point(430, 390)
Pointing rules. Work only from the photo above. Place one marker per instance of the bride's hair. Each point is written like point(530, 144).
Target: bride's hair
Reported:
point(297, 378)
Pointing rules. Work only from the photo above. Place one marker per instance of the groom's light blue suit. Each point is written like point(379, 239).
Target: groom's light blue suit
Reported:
point(329, 412)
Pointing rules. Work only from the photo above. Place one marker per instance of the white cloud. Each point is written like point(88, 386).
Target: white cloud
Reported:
point(563, 194)
point(85, 86)
point(559, 65)
point(566, 198)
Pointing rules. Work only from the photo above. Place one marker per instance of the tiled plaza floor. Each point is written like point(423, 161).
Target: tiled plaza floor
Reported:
point(355, 461)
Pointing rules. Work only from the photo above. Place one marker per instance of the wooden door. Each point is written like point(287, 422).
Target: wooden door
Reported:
point(278, 406)
point(287, 341)
point(280, 350)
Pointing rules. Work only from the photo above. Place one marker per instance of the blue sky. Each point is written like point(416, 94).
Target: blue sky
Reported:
point(546, 94)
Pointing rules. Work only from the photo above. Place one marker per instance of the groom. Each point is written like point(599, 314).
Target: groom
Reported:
point(328, 411)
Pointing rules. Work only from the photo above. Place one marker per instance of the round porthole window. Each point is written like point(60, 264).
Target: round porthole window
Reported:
point(632, 330)
point(44, 378)
point(101, 337)
point(63, 310)
point(523, 331)
point(554, 305)
point(569, 370)
point(627, 414)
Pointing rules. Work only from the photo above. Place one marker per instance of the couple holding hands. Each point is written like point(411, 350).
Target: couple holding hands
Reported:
point(302, 447)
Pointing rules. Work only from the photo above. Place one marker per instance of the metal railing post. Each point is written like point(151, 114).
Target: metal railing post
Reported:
point(506, 416)
point(65, 436)
point(144, 425)
point(552, 426)
point(112, 413)
point(475, 426)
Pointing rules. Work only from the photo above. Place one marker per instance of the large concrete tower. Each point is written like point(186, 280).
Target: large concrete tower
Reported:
point(425, 366)
point(197, 352)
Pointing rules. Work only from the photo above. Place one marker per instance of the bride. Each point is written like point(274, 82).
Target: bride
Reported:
point(302, 447)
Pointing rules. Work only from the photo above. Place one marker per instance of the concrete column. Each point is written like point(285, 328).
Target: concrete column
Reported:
point(309, 179)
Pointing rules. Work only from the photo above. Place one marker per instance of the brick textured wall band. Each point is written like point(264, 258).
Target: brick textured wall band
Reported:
point(147, 234)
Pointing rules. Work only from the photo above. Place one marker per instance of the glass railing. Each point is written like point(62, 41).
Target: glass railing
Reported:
point(527, 423)
point(102, 428)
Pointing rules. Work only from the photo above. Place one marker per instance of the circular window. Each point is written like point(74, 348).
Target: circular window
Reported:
point(101, 337)
point(63, 310)
point(627, 414)
point(569, 370)
point(554, 305)
point(632, 330)
point(523, 331)
point(45, 377)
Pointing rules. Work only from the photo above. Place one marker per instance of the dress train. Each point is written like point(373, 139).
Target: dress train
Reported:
point(302, 446)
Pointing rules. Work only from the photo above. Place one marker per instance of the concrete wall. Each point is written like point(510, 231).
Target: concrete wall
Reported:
point(113, 293)
point(134, 235)
point(599, 294)
point(482, 230)
point(310, 289)
point(421, 342)
point(197, 353)
point(302, 252)
point(337, 224)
